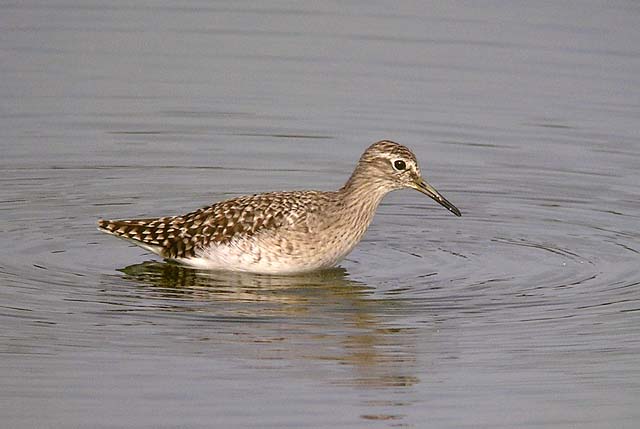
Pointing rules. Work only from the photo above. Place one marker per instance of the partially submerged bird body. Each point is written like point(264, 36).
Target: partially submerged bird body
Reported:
point(281, 232)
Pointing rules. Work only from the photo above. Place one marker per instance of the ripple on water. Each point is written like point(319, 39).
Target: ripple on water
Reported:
point(521, 255)
point(510, 258)
point(523, 277)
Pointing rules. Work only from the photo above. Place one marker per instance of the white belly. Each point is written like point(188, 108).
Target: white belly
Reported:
point(277, 254)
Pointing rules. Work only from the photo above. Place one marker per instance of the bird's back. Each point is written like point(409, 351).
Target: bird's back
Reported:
point(182, 237)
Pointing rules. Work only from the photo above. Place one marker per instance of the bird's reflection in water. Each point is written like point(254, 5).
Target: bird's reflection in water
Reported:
point(321, 316)
point(168, 280)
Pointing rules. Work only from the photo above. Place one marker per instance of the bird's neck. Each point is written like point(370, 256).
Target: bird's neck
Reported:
point(362, 194)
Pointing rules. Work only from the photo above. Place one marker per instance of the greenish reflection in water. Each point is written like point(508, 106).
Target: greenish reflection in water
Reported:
point(321, 316)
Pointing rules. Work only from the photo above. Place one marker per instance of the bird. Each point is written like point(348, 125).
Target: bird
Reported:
point(282, 233)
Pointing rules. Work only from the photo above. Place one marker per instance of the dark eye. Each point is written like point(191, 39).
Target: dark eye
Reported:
point(399, 164)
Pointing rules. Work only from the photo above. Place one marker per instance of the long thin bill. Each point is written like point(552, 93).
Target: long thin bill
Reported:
point(430, 191)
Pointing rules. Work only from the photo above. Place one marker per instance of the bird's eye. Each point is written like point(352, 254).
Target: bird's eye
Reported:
point(399, 164)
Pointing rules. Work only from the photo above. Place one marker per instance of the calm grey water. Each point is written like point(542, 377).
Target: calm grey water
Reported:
point(525, 312)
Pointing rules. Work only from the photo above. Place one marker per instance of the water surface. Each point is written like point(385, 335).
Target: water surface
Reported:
point(522, 313)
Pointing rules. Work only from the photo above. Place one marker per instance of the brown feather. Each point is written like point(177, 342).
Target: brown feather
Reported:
point(181, 236)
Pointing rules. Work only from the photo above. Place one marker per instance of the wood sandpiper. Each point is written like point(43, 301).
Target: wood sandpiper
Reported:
point(282, 232)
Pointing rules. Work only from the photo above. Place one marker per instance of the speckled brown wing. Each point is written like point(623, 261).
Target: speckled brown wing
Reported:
point(181, 236)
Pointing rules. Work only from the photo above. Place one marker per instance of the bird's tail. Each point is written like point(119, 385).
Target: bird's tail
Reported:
point(141, 232)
